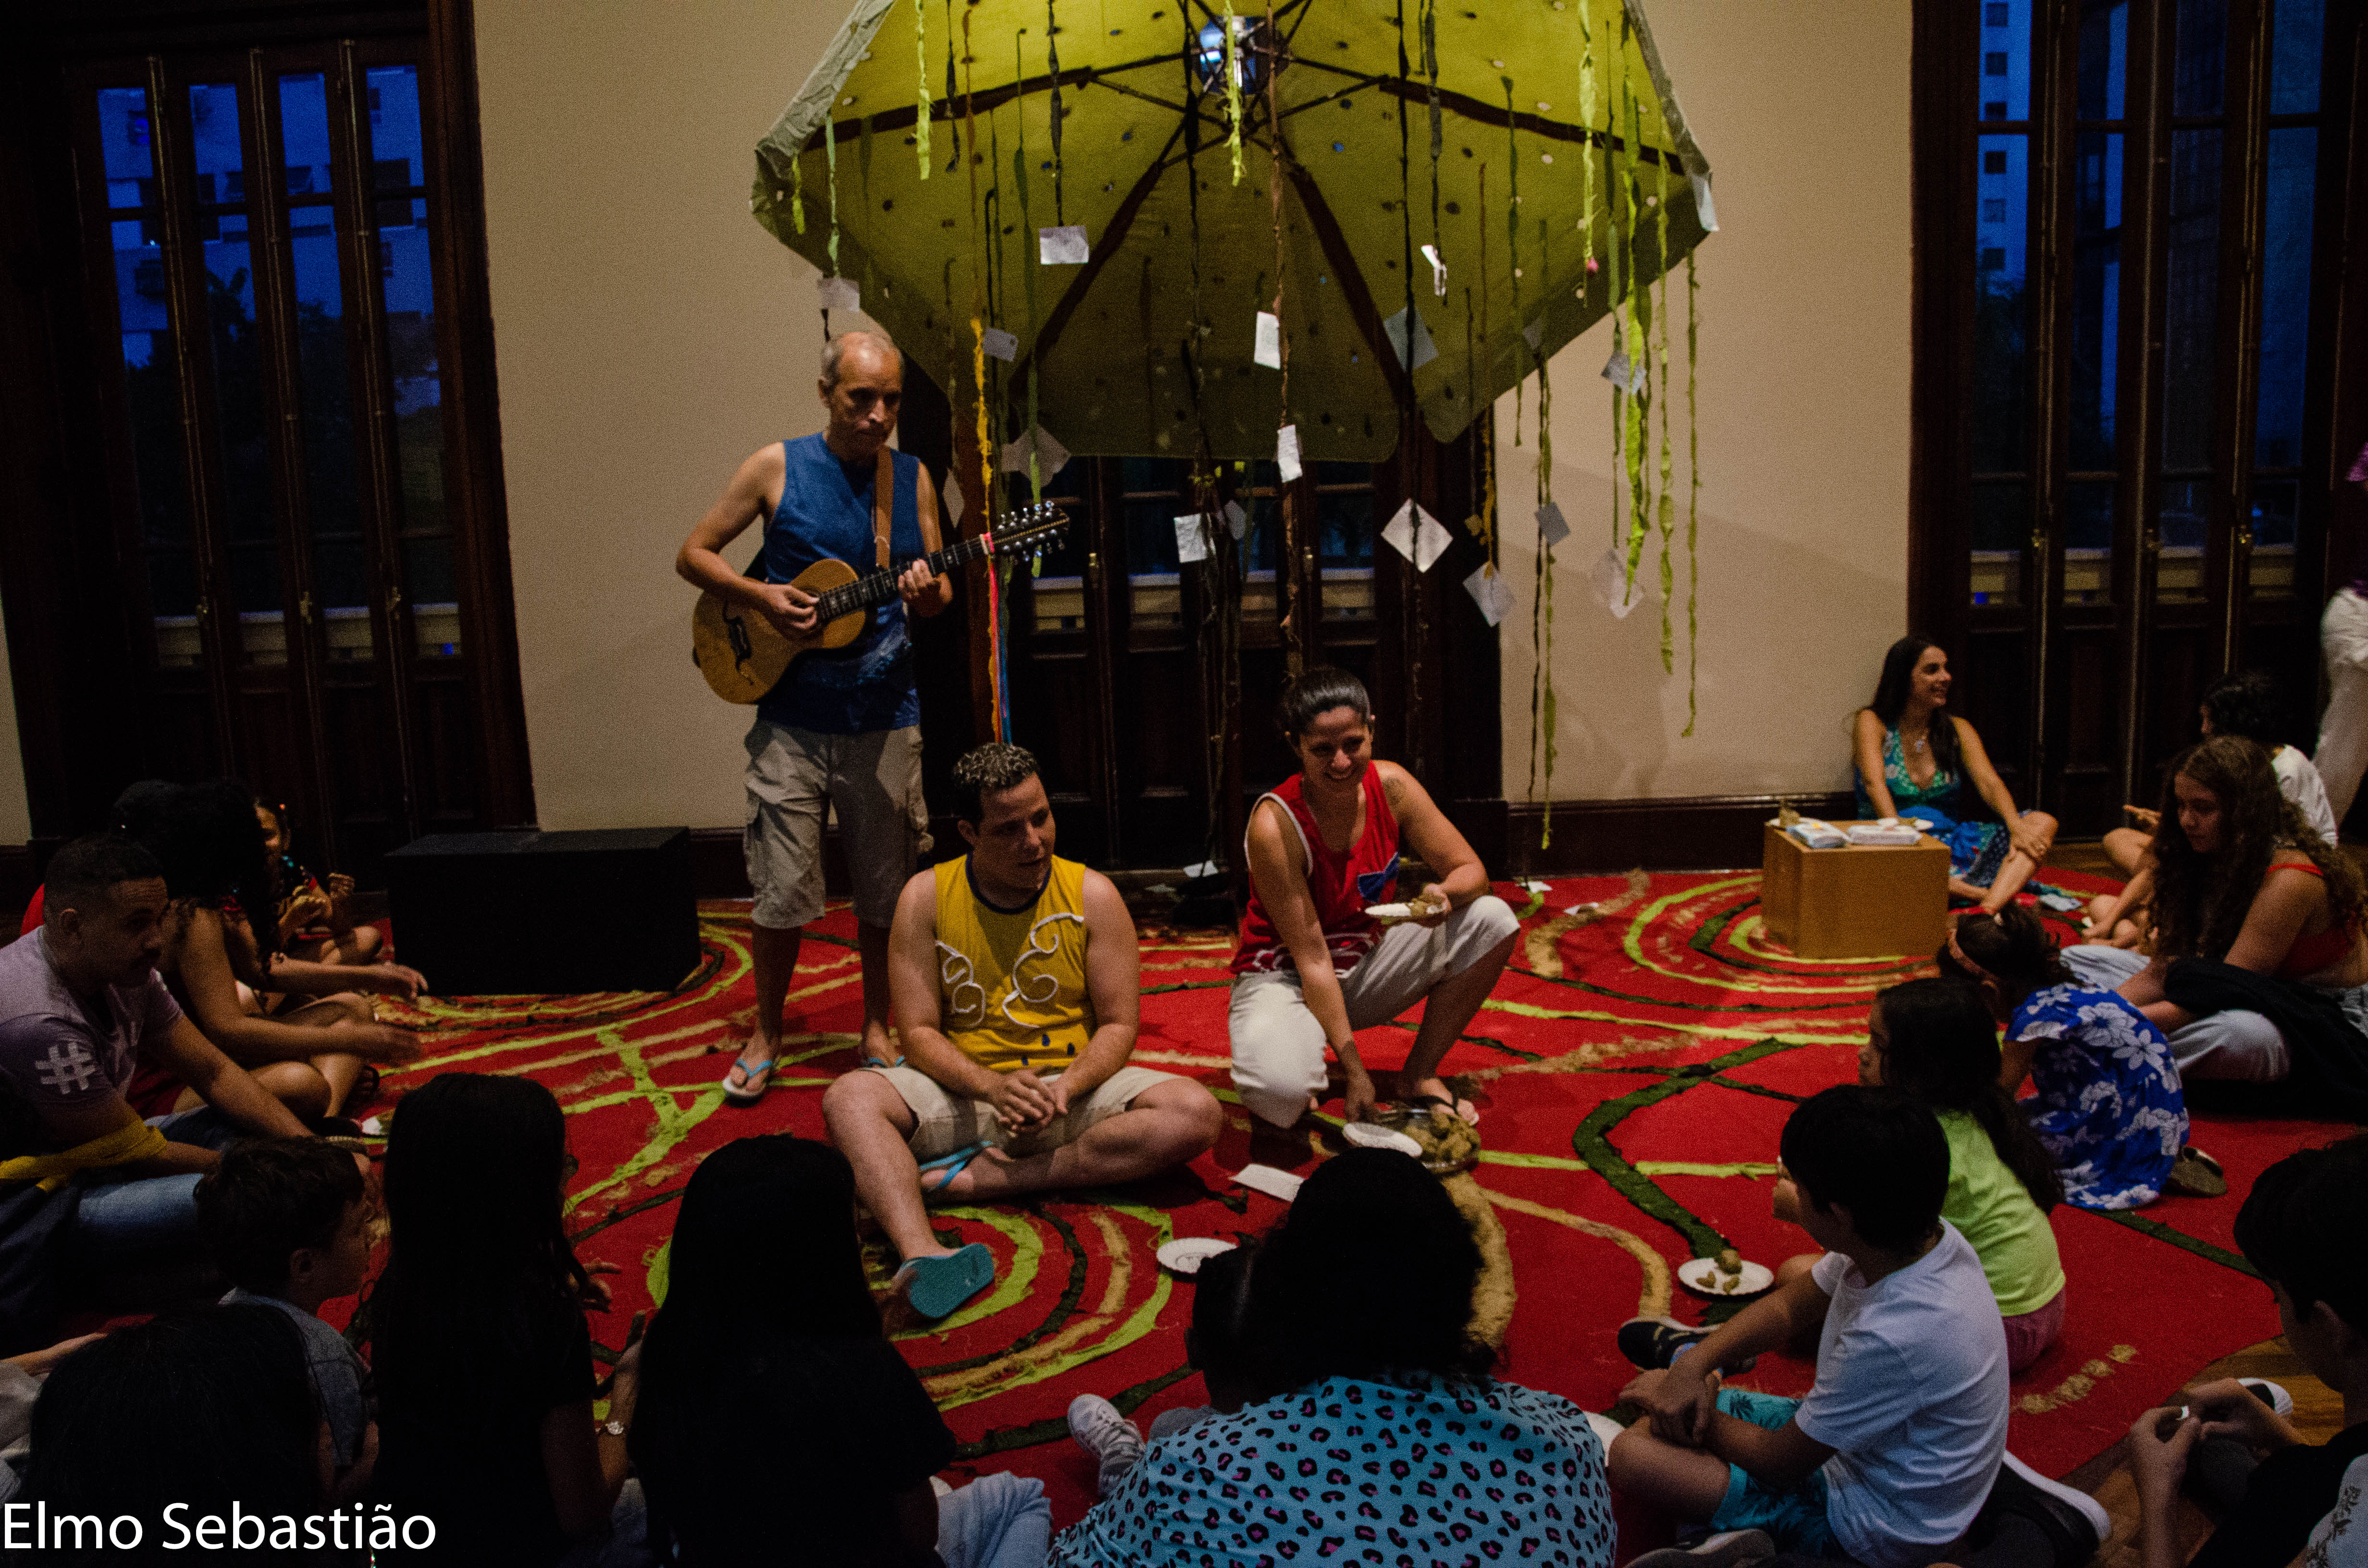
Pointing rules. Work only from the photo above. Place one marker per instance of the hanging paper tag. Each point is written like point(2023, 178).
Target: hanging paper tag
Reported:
point(840, 294)
point(1237, 519)
point(1630, 379)
point(954, 505)
point(1286, 452)
point(1416, 535)
point(1704, 208)
point(1394, 331)
point(1269, 342)
point(1191, 538)
point(1051, 456)
point(1609, 577)
point(1534, 334)
point(1061, 247)
point(1438, 270)
point(1553, 526)
point(998, 344)
point(1488, 590)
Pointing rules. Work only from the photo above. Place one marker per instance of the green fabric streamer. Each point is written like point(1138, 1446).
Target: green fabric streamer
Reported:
point(1693, 498)
point(1036, 476)
point(830, 155)
point(1232, 95)
point(1545, 555)
point(1664, 507)
point(798, 193)
point(921, 86)
point(1637, 412)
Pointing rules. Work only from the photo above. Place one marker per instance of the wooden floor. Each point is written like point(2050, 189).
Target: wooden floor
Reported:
point(2317, 1414)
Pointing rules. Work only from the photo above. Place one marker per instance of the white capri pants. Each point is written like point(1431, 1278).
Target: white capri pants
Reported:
point(2236, 1044)
point(1278, 1044)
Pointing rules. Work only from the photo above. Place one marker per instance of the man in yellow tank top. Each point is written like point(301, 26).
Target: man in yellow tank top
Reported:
point(1016, 984)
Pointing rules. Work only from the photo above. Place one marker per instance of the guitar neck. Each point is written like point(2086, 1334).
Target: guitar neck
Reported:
point(879, 586)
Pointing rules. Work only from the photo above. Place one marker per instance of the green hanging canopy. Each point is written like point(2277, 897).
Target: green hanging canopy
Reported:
point(937, 138)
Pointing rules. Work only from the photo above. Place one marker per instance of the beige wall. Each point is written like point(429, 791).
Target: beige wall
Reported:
point(16, 814)
point(1803, 111)
point(650, 336)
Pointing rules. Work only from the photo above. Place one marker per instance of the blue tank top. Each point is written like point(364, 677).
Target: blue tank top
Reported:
point(826, 511)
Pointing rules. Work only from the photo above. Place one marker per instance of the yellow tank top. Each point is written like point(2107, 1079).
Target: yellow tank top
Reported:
point(1011, 987)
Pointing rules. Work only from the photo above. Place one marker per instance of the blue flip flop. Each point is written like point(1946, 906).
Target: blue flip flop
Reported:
point(952, 1165)
point(935, 1286)
point(755, 1077)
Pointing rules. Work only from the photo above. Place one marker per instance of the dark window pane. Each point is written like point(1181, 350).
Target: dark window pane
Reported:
point(2277, 505)
point(1155, 490)
point(2089, 543)
point(2191, 287)
point(124, 147)
point(2001, 518)
point(2186, 516)
point(2286, 295)
point(2298, 31)
point(407, 282)
point(248, 525)
point(2096, 297)
point(2105, 52)
point(340, 580)
point(1069, 490)
point(2200, 72)
point(2006, 61)
point(2001, 311)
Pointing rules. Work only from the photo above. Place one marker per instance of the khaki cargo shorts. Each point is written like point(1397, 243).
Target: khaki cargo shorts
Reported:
point(871, 781)
point(950, 1121)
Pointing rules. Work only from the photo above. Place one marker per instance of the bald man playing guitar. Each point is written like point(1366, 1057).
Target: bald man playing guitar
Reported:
point(841, 728)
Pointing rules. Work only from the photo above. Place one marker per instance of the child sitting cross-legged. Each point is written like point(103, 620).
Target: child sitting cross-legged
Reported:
point(2300, 1229)
point(1891, 1453)
point(287, 1219)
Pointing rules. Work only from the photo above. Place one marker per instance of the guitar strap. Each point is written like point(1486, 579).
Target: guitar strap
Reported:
point(884, 503)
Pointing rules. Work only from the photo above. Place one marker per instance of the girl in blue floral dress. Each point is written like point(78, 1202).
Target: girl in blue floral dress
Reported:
point(2108, 1105)
point(1907, 730)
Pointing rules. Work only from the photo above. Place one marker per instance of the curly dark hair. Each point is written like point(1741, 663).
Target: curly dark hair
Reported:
point(987, 770)
point(2245, 703)
point(2201, 901)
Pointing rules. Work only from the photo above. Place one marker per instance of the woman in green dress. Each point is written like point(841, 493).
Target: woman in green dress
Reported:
point(1914, 759)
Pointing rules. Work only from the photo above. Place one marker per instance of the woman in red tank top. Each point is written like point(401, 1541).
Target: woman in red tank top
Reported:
point(1313, 966)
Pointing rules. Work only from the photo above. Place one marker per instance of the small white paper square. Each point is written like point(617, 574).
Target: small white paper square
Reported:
point(1268, 351)
point(1286, 452)
point(840, 294)
point(1416, 535)
point(954, 505)
point(1394, 331)
point(1553, 526)
point(1191, 538)
point(1237, 519)
point(1049, 453)
point(1609, 577)
point(1205, 868)
point(1534, 334)
point(1533, 885)
point(999, 344)
point(1630, 379)
point(1061, 247)
point(1272, 1182)
point(1489, 591)
point(1430, 540)
point(1704, 208)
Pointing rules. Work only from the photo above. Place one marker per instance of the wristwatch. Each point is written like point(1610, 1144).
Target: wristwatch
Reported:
point(614, 1427)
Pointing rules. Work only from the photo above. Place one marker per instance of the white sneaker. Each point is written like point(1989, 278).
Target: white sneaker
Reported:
point(2079, 1502)
point(2272, 1395)
point(1722, 1551)
point(1114, 1441)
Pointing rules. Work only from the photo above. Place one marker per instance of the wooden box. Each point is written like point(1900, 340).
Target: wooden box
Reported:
point(1863, 901)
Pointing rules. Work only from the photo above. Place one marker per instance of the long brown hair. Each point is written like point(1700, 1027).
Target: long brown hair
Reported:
point(2201, 901)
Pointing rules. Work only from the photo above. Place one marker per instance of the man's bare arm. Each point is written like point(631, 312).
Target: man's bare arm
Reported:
point(913, 994)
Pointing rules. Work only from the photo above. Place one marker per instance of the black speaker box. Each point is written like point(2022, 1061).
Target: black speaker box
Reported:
point(497, 914)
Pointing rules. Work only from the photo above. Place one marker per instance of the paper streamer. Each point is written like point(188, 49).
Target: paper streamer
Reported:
point(1192, 538)
point(1286, 452)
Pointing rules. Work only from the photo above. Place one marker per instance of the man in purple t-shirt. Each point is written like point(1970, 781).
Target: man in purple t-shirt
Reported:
point(80, 1007)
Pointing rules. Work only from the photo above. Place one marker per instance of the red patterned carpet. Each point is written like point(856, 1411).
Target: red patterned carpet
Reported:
point(1633, 1071)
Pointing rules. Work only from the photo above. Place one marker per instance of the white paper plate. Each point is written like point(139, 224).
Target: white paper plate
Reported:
point(1186, 1255)
point(1390, 914)
point(1365, 1135)
point(1701, 1275)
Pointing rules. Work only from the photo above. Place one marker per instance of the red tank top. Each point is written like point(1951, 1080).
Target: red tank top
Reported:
point(1341, 884)
point(2310, 954)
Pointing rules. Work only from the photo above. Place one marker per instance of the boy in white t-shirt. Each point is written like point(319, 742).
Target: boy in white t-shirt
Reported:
point(1891, 1453)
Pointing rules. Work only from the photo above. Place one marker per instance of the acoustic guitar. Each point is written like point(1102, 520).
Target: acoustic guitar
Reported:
point(743, 655)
